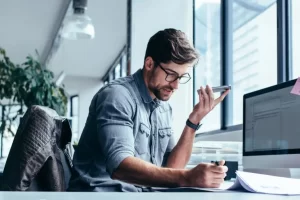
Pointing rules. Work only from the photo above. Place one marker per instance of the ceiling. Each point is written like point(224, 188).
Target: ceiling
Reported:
point(26, 27)
point(92, 58)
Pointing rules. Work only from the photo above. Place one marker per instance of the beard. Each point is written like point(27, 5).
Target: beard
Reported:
point(162, 93)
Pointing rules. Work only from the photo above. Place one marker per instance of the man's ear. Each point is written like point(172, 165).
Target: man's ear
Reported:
point(149, 63)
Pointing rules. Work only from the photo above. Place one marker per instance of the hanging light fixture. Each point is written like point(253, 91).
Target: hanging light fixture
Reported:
point(78, 25)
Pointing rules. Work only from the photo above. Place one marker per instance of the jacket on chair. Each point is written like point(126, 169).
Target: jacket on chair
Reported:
point(40, 156)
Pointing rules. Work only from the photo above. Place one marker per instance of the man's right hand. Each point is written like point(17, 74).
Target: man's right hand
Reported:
point(206, 175)
point(138, 172)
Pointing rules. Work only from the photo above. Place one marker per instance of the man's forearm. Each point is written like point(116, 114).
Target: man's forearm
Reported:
point(181, 153)
point(136, 171)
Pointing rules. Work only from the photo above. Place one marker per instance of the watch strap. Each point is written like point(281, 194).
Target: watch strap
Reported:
point(192, 125)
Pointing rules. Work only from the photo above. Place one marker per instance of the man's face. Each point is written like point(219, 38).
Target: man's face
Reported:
point(163, 79)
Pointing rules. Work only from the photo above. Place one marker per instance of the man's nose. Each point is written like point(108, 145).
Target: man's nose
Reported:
point(175, 84)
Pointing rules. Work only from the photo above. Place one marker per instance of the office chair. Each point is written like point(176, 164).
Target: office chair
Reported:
point(40, 158)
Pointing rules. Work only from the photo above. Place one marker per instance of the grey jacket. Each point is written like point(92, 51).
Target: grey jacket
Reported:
point(39, 159)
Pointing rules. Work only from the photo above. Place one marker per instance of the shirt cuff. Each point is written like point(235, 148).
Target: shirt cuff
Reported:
point(115, 160)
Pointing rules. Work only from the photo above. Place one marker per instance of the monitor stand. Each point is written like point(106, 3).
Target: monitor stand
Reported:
point(282, 172)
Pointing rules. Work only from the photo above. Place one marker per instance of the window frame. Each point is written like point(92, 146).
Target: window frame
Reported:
point(72, 104)
point(121, 60)
point(284, 63)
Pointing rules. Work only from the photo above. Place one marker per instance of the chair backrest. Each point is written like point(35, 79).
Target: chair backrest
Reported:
point(39, 159)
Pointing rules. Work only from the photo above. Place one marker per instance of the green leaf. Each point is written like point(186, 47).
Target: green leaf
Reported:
point(2, 51)
point(30, 83)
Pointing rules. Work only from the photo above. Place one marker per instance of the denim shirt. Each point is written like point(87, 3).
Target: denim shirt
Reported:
point(123, 121)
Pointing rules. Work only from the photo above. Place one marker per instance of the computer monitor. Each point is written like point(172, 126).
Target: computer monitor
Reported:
point(271, 128)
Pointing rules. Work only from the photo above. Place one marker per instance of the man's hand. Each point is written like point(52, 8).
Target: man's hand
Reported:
point(136, 171)
point(207, 102)
point(206, 175)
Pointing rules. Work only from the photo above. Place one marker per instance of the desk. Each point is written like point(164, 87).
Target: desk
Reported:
point(139, 196)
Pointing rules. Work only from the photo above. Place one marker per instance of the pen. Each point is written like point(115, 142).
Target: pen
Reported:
point(215, 162)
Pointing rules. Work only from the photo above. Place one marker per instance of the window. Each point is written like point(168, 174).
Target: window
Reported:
point(111, 76)
point(254, 50)
point(118, 68)
point(117, 71)
point(207, 42)
point(74, 108)
point(252, 53)
point(8, 111)
point(124, 65)
point(295, 37)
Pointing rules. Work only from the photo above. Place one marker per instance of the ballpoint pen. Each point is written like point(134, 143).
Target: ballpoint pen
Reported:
point(215, 162)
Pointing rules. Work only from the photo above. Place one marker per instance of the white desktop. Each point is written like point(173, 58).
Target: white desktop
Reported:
point(271, 131)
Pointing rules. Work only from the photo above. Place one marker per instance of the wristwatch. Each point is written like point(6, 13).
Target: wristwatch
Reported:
point(192, 125)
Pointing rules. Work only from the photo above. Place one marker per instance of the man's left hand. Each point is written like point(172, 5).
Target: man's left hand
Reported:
point(207, 102)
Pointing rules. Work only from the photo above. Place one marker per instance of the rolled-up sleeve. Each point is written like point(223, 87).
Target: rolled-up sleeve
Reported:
point(114, 113)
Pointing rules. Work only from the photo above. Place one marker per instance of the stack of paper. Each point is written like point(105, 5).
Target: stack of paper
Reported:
point(251, 182)
point(260, 183)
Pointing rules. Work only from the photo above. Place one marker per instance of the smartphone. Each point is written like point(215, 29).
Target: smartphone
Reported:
point(220, 88)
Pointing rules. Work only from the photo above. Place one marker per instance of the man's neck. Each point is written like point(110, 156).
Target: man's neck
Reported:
point(146, 80)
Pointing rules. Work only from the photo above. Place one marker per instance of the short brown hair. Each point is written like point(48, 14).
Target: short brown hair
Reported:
point(171, 45)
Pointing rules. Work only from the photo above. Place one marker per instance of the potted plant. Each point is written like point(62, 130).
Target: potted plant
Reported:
point(27, 84)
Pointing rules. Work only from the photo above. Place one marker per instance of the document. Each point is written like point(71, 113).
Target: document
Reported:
point(260, 183)
point(250, 182)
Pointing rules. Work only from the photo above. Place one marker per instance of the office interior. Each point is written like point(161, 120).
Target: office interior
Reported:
point(248, 44)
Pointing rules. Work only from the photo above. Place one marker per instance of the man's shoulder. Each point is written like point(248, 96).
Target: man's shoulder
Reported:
point(125, 82)
point(114, 91)
point(118, 89)
point(122, 81)
point(115, 95)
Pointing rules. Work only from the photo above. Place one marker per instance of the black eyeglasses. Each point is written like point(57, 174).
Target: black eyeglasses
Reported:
point(173, 76)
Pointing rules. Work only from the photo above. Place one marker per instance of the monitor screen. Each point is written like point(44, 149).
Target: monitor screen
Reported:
point(271, 123)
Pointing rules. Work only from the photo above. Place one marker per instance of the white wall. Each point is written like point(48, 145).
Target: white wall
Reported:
point(150, 16)
point(85, 88)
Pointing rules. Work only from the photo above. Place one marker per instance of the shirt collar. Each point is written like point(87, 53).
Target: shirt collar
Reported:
point(139, 79)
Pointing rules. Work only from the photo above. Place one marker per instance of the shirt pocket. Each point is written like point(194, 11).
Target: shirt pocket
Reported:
point(142, 139)
point(164, 137)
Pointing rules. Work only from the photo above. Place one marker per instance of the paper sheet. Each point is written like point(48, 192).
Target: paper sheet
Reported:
point(267, 184)
point(251, 182)
point(296, 88)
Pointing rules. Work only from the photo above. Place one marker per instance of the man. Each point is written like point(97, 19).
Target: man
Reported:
point(128, 144)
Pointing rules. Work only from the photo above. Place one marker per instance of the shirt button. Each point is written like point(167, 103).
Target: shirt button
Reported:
point(153, 156)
